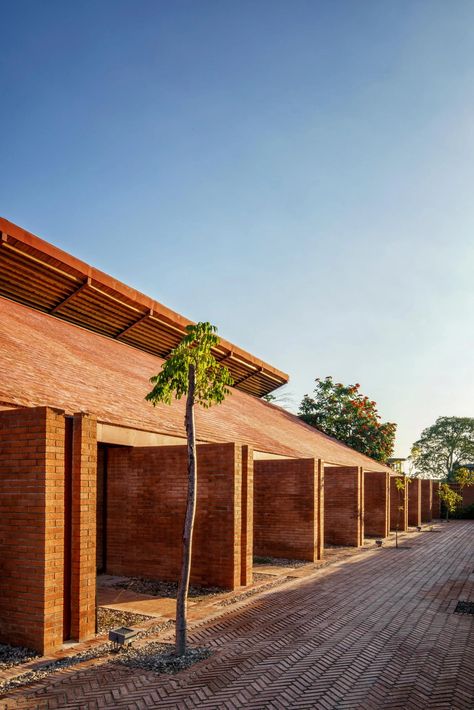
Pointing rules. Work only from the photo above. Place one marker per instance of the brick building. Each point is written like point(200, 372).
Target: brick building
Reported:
point(92, 477)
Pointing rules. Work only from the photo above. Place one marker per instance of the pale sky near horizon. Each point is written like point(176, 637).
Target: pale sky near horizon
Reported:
point(299, 173)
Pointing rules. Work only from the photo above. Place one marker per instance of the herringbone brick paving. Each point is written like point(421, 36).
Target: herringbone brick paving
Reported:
point(377, 631)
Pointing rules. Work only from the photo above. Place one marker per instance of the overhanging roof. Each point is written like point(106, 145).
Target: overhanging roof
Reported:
point(38, 274)
point(47, 361)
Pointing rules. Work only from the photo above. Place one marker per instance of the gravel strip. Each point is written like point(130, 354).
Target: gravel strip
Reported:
point(48, 668)
point(157, 628)
point(158, 588)
point(160, 658)
point(279, 562)
point(112, 618)
point(261, 577)
point(14, 655)
point(105, 649)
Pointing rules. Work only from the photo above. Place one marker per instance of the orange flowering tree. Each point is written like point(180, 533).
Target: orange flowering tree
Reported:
point(343, 412)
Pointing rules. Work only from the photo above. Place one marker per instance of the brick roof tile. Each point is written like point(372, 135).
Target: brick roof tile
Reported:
point(47, 361)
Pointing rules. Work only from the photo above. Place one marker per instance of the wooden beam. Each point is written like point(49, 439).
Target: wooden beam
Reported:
point(247, 377)
point(82, 287)
point(142, 318)
point(226, 357)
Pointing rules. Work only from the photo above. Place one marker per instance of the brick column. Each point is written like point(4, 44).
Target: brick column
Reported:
point(246, 556)
point(344, 505)
point(377, 503)
point(319, 501)
point(414, 502)
point(398, 499)
point(83, 527)
point(426, 500)
point(32, 527)
point(286, 508)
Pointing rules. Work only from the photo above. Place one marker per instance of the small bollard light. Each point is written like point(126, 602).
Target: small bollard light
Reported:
point(122, 636)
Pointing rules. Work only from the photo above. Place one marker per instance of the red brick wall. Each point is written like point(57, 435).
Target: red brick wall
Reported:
point(436, 500)
point(377, 503)
point(467, 496)
point(398, 499)
point(146, 502)
point(426, 500)
point(286, 508)
point(344, 505)
point(83, 557)
point(31, 527)
point(246, 554)
point(320, 509)
point(414, 502)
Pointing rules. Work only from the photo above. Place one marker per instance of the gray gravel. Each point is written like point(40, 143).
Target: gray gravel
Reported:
point(160, 658)
point(112, 618)
point(51, 667)
point(279, 562)
point(158, 588)
point(14, 655)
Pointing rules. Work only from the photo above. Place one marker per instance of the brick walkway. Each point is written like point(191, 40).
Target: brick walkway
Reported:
point(377, 631)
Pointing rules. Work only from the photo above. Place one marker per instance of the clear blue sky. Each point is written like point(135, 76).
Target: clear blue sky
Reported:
point(299, 173)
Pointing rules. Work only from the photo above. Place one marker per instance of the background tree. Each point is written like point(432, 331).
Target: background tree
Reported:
point(191, 370)
point(463, 476)
point(446, 445)
point(343, 412)
point(450, 498)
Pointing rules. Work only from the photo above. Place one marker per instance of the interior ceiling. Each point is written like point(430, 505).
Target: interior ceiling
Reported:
point(86, 297)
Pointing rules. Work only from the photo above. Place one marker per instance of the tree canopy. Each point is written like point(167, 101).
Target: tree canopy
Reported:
point(443, 447)
point(343, 412)
point(212, 380)
point(192, 371)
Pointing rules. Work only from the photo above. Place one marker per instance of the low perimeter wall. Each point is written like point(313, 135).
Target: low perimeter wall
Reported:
point(146, 503)
point(287, 508)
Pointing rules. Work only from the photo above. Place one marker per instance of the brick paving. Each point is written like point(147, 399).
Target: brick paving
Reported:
point(375, 631)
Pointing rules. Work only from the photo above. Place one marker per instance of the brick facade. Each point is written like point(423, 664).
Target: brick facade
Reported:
point(31, 527)
point(398, 499)
point(246, 532)
point(287, 508)
point(414, 502)
point(146, 502)
point(377, 503)
point(83, 527)
point(436, 500)
point(344, 505)
point(426, 500)
point(47, 527)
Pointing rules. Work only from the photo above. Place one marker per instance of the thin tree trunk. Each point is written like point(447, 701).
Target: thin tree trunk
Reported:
point(182, 598)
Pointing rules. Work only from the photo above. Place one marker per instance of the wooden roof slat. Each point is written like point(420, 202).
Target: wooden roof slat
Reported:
point(44, 277)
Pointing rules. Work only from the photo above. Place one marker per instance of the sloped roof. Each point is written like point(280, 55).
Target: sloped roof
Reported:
point(46, 361)
point(40, 275)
